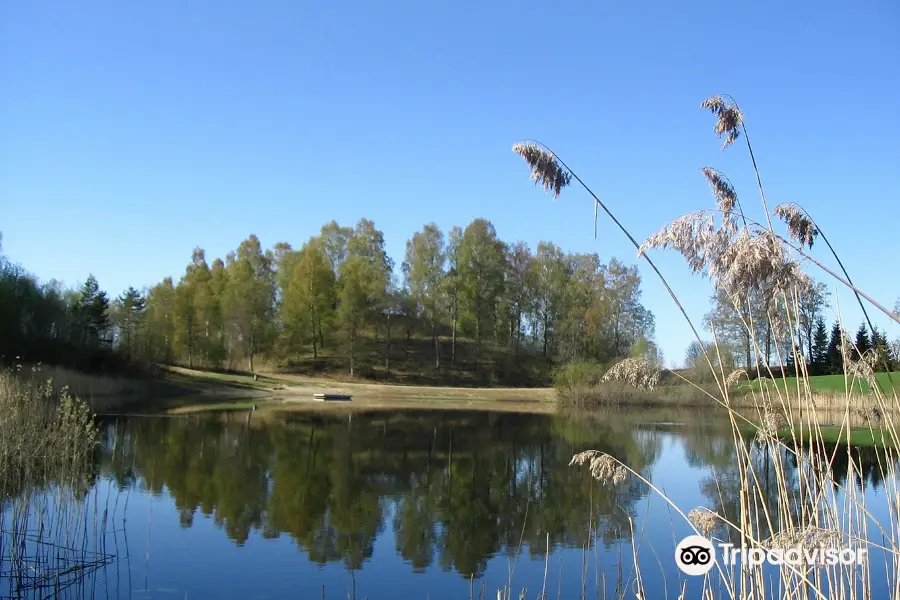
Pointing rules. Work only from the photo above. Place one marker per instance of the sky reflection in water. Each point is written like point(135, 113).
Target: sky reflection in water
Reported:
point(401, 505)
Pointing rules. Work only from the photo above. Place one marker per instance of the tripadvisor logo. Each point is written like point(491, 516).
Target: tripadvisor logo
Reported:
point(696, 555)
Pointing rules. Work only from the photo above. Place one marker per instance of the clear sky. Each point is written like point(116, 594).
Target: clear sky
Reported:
point(132, 132)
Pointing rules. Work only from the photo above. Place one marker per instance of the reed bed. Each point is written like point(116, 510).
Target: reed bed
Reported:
point(53, 535)
point(742, 256)
point(100, 392)
point(54, 544)
point(44, 435)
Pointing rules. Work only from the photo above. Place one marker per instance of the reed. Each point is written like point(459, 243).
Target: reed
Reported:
point(741, 256)
point(45, 436)
point(52, 540)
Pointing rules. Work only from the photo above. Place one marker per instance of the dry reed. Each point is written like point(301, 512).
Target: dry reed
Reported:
point(812, 506)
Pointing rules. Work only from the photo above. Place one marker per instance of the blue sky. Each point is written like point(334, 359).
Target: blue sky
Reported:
point(130, 135)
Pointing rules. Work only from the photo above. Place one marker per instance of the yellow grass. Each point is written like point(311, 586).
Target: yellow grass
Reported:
point(295, 393)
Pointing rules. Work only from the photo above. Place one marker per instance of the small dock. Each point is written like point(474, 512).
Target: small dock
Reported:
point(332, 397)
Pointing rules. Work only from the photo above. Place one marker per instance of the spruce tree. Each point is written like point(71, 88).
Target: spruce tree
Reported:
point(882, 349)
point(820, 348)
point(863, 343)
point(833, 359)
point(92, 313)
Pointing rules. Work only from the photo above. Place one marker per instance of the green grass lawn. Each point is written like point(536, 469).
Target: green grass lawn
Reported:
point(836, 383)
point(832, 434)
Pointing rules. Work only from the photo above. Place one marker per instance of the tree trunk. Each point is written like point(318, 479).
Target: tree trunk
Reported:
point(251, 347)
point(747, 349)
point(809, 344)
point(518, 329)
point(434, 340)
point(206, 344)
point(312, 324)
point(387, 354)
point(352, 348)
point(546, 319)
point(453, 339)
point(617, 338)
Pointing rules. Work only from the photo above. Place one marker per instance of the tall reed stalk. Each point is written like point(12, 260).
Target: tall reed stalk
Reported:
point(812, 507)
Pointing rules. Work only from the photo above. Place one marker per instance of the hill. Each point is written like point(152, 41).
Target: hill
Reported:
point(411, 361)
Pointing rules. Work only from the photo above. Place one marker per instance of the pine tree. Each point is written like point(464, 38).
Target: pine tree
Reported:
point(882, 349)
point(863, 343)
point(834, 360)
point(91, 313)
point(819, 348)
point(129, 313)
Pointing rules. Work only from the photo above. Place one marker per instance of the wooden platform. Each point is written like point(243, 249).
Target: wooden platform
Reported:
point(332, 397)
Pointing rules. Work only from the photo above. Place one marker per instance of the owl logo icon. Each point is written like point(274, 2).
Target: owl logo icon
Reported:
point(695, 555)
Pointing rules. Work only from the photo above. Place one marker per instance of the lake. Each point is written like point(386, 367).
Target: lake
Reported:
point(385, 505)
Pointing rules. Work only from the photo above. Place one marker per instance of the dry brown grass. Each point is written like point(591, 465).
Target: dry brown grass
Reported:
point(295, 393)
point(99, 391)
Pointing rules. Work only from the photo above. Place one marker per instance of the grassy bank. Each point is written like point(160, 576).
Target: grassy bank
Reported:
point(191, 390)
point(864, 437)
point(837, 384)
point(284, 392)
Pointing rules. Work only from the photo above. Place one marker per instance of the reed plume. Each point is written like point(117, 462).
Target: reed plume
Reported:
point(736, 260)
point(637, 372)
point(705, 520)
point(545, 168)
point(800, 227)
point(735, 377)
point(604, 468)
point(723, 191)
point(728, 118)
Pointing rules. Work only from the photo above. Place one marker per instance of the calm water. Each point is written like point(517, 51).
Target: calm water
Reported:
point(400, 505)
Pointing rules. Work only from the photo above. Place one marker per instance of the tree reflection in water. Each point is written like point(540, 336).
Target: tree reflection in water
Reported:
point(454, 488)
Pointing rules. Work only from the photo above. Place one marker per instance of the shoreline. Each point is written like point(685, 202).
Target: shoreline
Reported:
point(206, 391)
point(180, 391)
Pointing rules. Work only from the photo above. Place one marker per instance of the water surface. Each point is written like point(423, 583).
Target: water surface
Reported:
point(412, 504)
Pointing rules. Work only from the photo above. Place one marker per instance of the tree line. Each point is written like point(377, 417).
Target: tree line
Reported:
point(340, 297)
point(757, 334)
